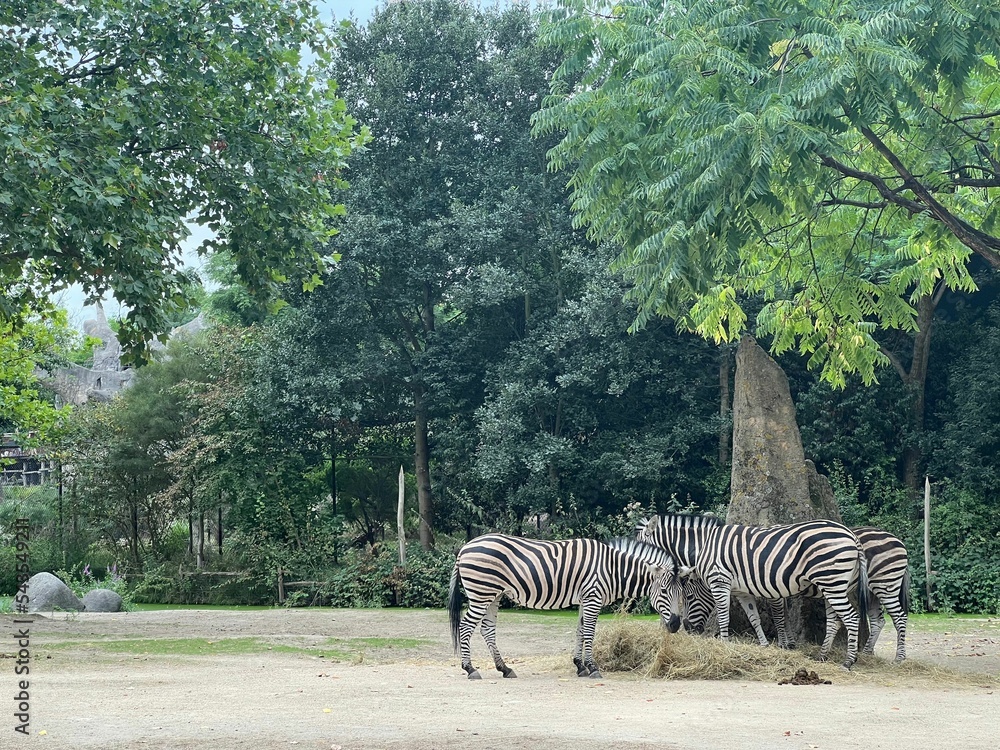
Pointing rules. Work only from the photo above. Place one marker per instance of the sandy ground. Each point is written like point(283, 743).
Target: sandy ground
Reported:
point(373, 694)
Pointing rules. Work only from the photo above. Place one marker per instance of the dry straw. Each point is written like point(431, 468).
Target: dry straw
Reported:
point(645, 649)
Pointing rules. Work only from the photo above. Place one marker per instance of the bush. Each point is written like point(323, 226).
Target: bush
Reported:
point(82, 579)
point(375, 579)
point(967, 582)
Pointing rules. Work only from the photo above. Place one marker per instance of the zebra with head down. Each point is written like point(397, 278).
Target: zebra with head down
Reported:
point(541, 574)
point(774, 562)
point(888, 582)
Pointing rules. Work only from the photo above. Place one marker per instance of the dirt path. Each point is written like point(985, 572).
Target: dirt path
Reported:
point(407, 691)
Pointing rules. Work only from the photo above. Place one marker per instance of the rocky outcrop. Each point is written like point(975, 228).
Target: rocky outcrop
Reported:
point(78, 385)
point(772, 482)
point(770, 476)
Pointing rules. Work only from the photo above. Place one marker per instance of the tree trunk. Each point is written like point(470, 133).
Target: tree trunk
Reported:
point(916, 383)
point(135, 534)
point(333, 468)
point(200, 562)
point(725, 408)
point(425, 502)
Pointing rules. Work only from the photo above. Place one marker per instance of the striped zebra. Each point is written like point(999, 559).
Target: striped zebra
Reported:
point(888, 582)
point(552, 575)
point(772, 563)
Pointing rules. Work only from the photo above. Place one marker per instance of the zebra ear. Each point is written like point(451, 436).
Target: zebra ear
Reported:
point(656, 570)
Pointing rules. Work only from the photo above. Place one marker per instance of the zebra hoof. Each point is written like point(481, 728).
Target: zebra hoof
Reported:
point(790, 646)
point(846, 666)
point(822, 658)
point(596, 675)
point(583, 672)
point(509, 673)
point(474, 675)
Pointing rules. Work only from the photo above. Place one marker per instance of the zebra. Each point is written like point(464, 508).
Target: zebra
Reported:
point(888, 582)
point(772, 563)
point(552, 575)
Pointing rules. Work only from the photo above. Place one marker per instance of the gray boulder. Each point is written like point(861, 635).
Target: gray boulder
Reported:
point(102, 600)
point(47, 593)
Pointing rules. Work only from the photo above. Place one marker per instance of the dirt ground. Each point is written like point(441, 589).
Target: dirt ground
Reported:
point(323, 686)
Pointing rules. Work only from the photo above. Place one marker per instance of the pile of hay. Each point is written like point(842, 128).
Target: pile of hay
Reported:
point(645, 649)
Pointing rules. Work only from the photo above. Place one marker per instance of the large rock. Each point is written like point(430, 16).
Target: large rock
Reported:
point(47, 593)
point(824, 502)
point(772, 483)
point(102, 600)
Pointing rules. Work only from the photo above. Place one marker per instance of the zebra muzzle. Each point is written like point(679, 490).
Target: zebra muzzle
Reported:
point(673, 624)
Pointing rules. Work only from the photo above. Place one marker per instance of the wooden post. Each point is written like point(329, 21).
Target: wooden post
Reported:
point(399, 519)
point(927, 539)
point(281, 586)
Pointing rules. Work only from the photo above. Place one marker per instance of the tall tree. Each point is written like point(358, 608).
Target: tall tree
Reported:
point(839, 161)
point(436, 200)
point(36, 343)
point(122, 120)
point(582, 419)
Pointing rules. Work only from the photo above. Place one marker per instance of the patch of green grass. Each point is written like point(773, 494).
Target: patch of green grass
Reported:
point(336, 649)
point(377, 643)
point(184, 646)
point(936, 622)
point(214, 607)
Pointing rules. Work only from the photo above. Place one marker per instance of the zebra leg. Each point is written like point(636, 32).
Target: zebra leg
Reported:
point(589, 610)
point(470, 621)
point(832, 628)
point(842, 606)
point(899, 617)
point(876, 621)
point(778, 614)
point(750, 607)
point(720, 592)
point(489, 631)
point(581, 671)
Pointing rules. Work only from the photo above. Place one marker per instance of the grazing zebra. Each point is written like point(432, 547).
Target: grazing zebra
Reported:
point(772, 563)
point(553, 575)
point(888, 582)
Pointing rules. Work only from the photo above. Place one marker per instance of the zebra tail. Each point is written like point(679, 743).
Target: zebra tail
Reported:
point(904, 592)
point(863, 591)
point(454, 606)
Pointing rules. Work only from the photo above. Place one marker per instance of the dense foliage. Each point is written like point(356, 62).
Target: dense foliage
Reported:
point(472, 336)
point(123, 120)
point(835, 160)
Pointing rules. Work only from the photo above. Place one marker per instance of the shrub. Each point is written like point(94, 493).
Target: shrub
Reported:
point(82, 579)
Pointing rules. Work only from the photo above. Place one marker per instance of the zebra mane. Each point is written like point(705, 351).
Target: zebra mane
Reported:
point(647, 553)
point(679, 520)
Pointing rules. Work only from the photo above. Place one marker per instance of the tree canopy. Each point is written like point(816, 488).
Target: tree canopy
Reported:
point(123, 120)
point(836, 161)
